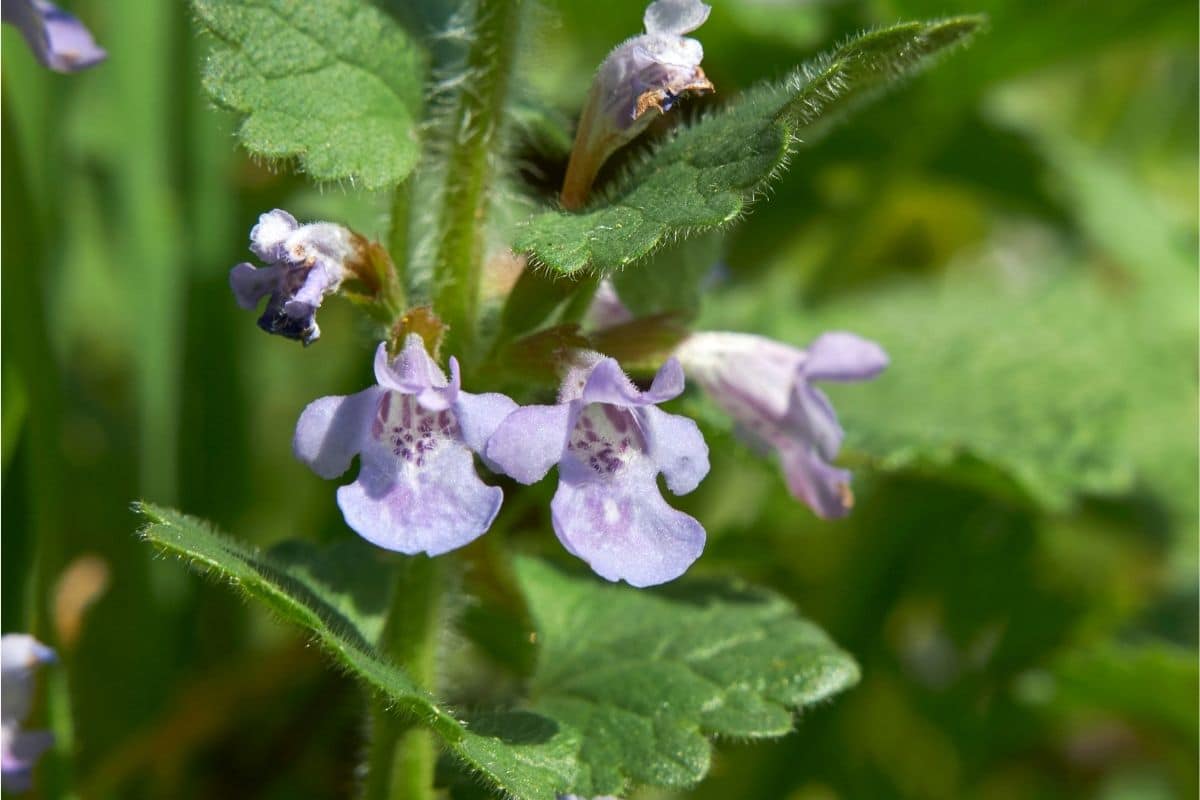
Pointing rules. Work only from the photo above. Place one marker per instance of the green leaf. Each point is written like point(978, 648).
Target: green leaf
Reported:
point(1153, 684)
point(647, 677)
point(336, 85)
point(676, 281)
point(518, 752)
point(707, 175)
point(1149, 241)
point(355, 579)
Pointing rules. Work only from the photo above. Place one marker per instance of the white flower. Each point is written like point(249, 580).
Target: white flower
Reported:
point(644, 74)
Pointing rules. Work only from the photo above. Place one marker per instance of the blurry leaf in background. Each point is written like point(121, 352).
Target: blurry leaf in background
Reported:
point(708, 173)
point(1154, 685)
point(646, 677)
point(338, 87)
point(1152, 246)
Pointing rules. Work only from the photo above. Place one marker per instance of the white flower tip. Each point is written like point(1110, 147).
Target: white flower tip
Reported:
point(675, 17)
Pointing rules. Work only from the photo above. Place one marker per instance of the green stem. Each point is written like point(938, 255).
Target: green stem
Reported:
point(402, 752)
point(474, 127)
point(581, 299)
point(397, 244)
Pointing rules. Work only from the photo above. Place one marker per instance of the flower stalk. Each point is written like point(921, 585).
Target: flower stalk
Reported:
point(475, 128)
point(402, 755)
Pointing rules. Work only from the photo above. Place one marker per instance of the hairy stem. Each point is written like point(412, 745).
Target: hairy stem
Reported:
point(402, 753)
point(397, 245)
point(475, 127)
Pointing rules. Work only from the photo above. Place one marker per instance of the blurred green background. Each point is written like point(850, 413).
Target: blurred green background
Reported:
point(1018, 227)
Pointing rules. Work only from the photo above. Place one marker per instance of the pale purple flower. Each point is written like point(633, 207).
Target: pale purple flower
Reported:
point(645, 73)
point(606, 309)
point(304, 264)
point(58, 40)
point(417, 490)
point(766, 386)
point(20, 657)
point(610, 442)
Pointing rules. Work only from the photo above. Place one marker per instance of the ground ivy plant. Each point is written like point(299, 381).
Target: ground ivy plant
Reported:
point(516, 334)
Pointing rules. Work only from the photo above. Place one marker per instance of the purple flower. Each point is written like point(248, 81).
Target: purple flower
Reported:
point(610, 443)
point(606, 309)
point(305, 263)
point(20, 657)
point(417, 490)
point(766, 387)
point(645, 73)
point(57, 39)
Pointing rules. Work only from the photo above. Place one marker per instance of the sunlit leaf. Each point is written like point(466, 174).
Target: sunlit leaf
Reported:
point(520, 753)
point(648, 677)
point(336, 85)
point(707, 175)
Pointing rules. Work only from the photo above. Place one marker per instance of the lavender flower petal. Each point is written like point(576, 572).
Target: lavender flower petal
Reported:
point(766, 387)
point(433, 509)
point(623, 528)
point(609, 384)
point(251, 284)
point(20, 657)
point(677, 447)
point(332, 430)
point(610, 442)
point(269, 237)
point(675, 17)
point(58, 40)
point(530, 441)
point(479, 415)
point(644, 74)
point(417, 490)
point(812, 418)
point(606, 309)
point(839, 356)
point(414, 372)
point(823, 488)
point(19, 754)
point(305, 264)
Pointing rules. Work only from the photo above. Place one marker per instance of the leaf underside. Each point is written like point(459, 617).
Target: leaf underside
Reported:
point(336, 85)
point(707, 175)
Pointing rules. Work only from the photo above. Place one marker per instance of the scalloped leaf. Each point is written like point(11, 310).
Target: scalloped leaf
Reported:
point(707, 174)
point(648, 677)
point(335, 85)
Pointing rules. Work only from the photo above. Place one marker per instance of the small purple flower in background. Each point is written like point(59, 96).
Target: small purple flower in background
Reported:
point(304, 264)
point(58, 40)
point(417, 490)
point(645, 73)
point(606, 309)
point(20, 657)
point(610, 443)
point(766, 386)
